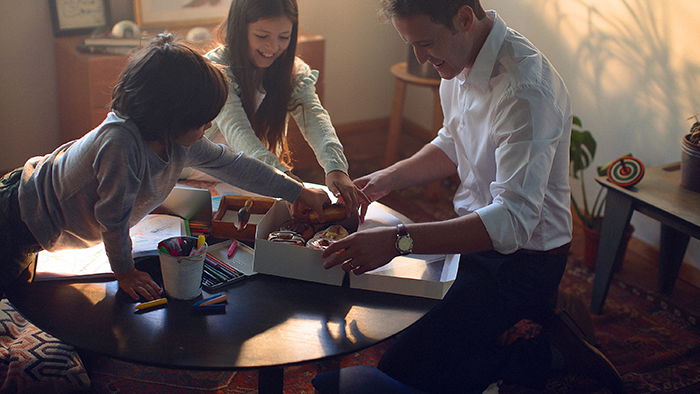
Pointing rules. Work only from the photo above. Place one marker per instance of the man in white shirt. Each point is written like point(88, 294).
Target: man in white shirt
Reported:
point(506, 134)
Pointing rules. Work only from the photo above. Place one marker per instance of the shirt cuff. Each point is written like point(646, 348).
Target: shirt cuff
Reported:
point(446, 146)
point(498, 223)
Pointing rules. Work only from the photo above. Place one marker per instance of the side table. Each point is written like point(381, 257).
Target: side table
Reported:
point(660, 196)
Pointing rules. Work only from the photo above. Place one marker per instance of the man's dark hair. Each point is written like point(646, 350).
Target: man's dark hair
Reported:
point(168, 89)
point(439, 11)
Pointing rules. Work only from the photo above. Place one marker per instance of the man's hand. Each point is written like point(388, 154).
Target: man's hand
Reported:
point(138, 284)
point(362, 251)
point(374, 186)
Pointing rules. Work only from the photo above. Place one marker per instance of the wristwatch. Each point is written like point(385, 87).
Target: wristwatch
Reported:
point(404, 242)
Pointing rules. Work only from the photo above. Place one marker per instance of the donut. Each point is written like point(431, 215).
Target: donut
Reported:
point(304, 229)
point(322, 239)
point(331, 213)
point(287, 237)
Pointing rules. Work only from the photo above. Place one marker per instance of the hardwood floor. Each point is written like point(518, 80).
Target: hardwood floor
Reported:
point(364, 147)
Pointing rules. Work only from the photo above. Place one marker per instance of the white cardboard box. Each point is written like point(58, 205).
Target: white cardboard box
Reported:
point(429, 276)
point(289, 261)
point(417, 275)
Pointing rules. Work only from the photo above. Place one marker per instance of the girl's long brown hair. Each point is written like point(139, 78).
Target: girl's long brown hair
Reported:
point(269, 121)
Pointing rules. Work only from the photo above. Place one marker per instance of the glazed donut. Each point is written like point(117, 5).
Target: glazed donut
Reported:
point(287, 237)
point(322, 239)
point(304, 229)
point(331, 213)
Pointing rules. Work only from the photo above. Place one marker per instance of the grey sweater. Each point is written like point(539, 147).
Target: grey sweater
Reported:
point(94, 189)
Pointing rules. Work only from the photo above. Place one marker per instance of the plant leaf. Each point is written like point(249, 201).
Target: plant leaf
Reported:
point(582, 151)
point(577, 121)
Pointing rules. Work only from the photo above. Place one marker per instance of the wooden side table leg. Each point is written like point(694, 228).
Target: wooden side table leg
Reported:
point(392, 141)
point(434, 188)
point(618, 211)
point(672, 247)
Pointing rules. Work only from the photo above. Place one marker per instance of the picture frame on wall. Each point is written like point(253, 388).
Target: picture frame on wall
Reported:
point(174, 13)
point(74, 17)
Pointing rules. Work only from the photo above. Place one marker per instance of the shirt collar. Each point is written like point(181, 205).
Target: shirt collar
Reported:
point(481, 71)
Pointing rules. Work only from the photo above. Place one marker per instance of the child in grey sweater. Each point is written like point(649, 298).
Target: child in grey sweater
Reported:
point(94, 189)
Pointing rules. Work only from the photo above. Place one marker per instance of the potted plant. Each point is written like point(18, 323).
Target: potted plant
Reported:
point(690, 157)
point(581, 154)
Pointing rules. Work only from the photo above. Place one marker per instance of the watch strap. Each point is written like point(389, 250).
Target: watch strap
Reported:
point(401, 230)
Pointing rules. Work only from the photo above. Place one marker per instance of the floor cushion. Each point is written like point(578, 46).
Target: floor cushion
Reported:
point(31, 360)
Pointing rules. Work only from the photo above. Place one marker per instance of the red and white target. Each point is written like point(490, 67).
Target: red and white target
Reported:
point(626, 171)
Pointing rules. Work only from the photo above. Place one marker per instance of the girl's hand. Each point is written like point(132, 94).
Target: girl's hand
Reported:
point(340, 184)
point(138, 284)
point(313, 199)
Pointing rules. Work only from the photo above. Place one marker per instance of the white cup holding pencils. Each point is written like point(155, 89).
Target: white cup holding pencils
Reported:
point(182, 264)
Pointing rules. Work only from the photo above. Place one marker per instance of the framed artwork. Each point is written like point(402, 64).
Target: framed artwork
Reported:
point(72, 17)
point(173, 13)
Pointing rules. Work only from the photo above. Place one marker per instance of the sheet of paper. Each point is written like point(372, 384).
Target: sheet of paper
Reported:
point(152, 229)
point(93, 262)
point(70, 263)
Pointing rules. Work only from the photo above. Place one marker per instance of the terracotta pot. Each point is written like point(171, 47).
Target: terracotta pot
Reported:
point(592, 240)
point(690, 164)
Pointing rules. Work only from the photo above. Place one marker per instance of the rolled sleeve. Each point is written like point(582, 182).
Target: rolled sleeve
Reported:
point(314, 121)
point(234, 125)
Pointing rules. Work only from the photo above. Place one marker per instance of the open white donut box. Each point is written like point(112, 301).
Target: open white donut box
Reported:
point(418, 275)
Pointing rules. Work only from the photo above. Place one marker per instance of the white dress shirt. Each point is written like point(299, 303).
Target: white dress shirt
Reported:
point(507, 128)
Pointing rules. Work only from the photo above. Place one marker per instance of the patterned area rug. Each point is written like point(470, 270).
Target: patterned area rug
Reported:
point(655, 345)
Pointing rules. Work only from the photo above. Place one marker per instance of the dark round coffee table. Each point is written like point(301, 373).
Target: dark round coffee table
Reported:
point(270, 322)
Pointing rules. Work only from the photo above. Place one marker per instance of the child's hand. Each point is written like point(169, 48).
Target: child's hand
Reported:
point(313, 199)
point(139, 284)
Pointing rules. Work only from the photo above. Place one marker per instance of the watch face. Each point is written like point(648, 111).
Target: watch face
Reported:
point(405, 244)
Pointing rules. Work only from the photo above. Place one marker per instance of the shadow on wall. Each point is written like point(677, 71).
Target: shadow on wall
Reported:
point(637, 45)
point(623, 63)
point(632, 69)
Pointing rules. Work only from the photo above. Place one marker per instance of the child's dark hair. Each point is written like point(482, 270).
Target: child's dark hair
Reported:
point(168, 89)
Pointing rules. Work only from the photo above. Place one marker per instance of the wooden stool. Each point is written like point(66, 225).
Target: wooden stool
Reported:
point(403, 77)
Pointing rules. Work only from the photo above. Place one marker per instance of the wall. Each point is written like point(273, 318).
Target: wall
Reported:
point(359, 52)
point(28, 113)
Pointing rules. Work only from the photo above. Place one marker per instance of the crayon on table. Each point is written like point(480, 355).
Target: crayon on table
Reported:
point(151, 304)
point(215, 299)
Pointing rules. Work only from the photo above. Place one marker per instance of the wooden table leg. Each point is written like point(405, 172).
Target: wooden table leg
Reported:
point(271, 380)
point(672, 247)
point(392, 140)
point(618, 211)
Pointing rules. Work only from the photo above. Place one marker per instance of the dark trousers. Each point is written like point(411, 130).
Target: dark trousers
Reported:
point(455, 347)
point(17, 243)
